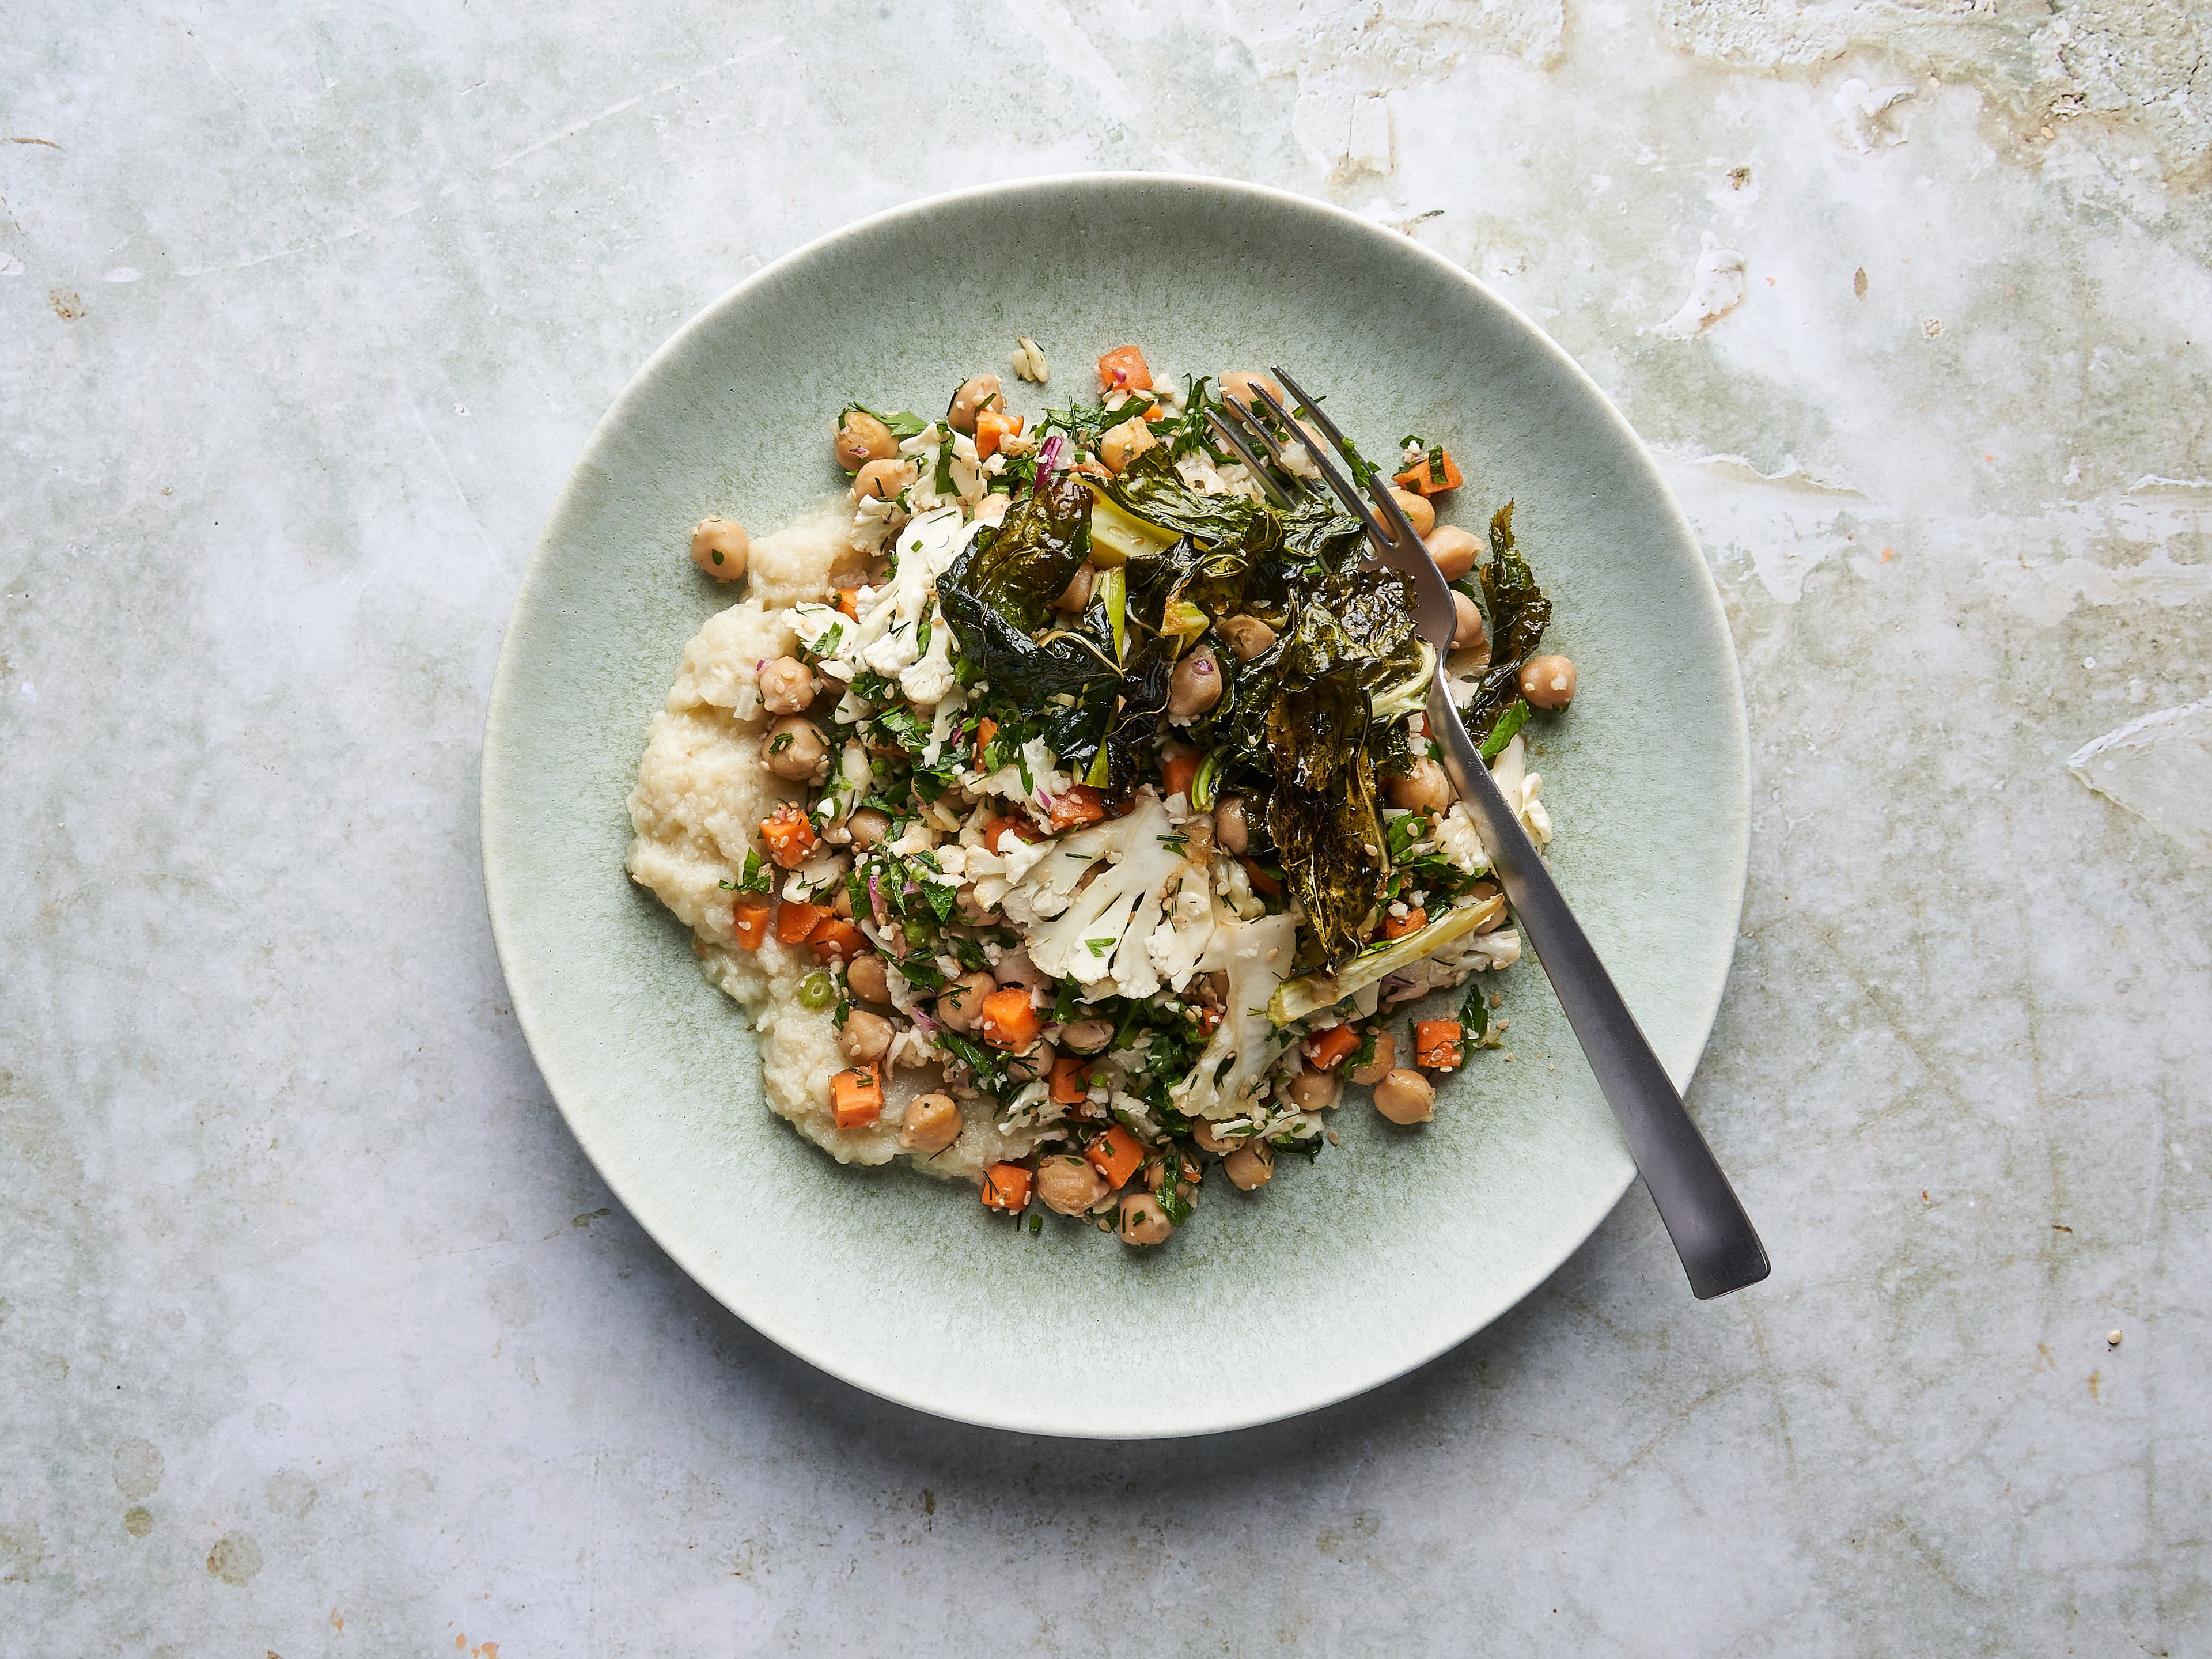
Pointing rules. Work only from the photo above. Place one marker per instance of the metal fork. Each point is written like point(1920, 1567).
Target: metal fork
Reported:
point(1719, 1248)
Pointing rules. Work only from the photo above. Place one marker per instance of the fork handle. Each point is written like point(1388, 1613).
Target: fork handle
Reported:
point(1719, 1248)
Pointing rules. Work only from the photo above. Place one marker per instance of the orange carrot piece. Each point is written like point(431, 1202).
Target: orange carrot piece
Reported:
point(857, 1096)
point(1115, 1154)
point(849, 601)
point(1177, 774)
point(996, 831)
point(1398, 927)
point(1007, 1187)
point(796, 920)
point(992, 425)
point(835, 939)
point(986, 729)
point(1420, 478)
point(750, 917)
point(789, 837)
point(1071, 1081)
point(1080, 805)
point(1329, 1050)
point(1437, 1044)
point(1263, 884)
point(1010, 1020)
point(1123, 369)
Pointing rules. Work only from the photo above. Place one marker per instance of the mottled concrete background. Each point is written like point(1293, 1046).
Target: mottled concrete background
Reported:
point(316, 1333)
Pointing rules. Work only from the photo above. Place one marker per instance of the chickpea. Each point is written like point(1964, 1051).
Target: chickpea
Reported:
point(1015, 968)
point(1406, 1096)
point(1032, 1063)
point(931, 1124)
point(1385, 1061)
point(868, 827)
point(1143, 1221)
point(1209, 1139)
point(883, 480)
point(1236, 387)
point(1087, 1036)
point(1248, 636)
point(1069, 1185)
point(787, 686)
point(1121, 444)
point(863, 1037)
point(974, 396)
point(1468, 635)
point(1230, 832)
point(842, 902)
point(793, 747)
point(1252, 1164)
point(1424, 789)
point(971, 907)
point(1452, 548)
point(1195, 686)
point(1419, 513)
point(960, 1004)
point(866, 980)
point(1548, 682)
point(1487, 891)
point(862, 437)
point(1314, 1091)
point(1077, 594)
point(719, 546)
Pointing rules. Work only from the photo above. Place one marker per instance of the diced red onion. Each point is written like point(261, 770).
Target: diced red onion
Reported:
point(1053, 455)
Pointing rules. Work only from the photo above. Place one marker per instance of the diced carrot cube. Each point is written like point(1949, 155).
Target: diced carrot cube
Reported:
point(996, 831)
point(986, 729)
point(750, 918)
point(991, 425)
point(1263, 884)
point(849, 601)
point(789, 835)
point(1071, 1081)
point(1421, 477)
point(835, 939)
point(1329, 1050)
point(1115, 1154)
point(1178, 773)
point(857, 1096)
point(1080, 805)
point(1123, 369)
point(1398, 927)
point(1437, 1044)
point(1010, 1020)
point(1007, 1187)
point(795, 921)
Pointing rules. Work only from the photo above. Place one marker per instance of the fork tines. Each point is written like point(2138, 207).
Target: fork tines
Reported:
point(1237, 418)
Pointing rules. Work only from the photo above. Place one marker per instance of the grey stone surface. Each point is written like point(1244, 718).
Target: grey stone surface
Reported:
point(318, 1334)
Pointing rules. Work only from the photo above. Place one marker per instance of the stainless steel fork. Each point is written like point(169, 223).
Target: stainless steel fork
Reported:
point(1719, 1248)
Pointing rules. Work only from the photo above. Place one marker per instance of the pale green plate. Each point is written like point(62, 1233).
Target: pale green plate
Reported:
point(1342, 1273)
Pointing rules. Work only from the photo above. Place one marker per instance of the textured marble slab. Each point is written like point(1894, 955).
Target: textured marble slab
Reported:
point(317, 1333)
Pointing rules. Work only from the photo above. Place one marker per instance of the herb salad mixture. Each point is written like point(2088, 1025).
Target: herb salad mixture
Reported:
point(1105, 830)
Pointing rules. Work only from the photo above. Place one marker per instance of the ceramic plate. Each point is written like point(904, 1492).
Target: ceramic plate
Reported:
point(1342, 1273)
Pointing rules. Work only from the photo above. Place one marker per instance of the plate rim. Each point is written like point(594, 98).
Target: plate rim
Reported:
point(501, 709)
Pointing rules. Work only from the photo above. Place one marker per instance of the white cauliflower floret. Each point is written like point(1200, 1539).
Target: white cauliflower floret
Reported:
point(1256, 956)
point(1045, 779)
point(1457, 839)
point(1181, 938)
point(1519, 787)
point(1102, 932)
point(929, 680)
